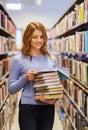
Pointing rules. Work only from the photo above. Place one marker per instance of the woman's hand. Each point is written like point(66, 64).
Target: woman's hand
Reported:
point(30, 75)
point(49, 101)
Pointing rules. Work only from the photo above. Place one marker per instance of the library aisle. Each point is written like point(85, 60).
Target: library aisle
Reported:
point(57, 122)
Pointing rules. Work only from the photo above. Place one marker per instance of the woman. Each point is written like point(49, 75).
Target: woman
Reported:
point(33, 114)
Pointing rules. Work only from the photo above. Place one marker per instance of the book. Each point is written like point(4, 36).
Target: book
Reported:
point(44, 78)
point(81, 13)
point(49, 71)
point(86, 41)
point(48, 93)
point(47, 82)
point(49, 88)
point(50, 96)
point(86, 10)
point(43, 74)
point(42, 84)
point(63, 73)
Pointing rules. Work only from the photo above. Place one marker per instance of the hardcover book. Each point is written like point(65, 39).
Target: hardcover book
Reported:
point(50, 96)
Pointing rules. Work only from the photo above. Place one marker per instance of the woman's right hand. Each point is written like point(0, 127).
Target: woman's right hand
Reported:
point(30, 75)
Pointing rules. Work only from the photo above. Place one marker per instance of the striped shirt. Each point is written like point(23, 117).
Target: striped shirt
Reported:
point(19, 67)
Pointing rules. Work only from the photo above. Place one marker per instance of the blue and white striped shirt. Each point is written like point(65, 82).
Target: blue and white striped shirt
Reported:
point(20, 66)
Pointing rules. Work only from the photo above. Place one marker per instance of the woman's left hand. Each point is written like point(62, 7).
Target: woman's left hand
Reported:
point(49, 101)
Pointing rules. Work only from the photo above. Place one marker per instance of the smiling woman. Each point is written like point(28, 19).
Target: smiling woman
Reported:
point(33, 114)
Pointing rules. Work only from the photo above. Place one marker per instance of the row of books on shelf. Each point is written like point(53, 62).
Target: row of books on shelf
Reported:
point(6, 113)
point(48, 83)
point(71, 109)
point(79, 70)
point(77, 95)
point(7, 44)
point(77, 65)
point(78, 124)
point(77, 42)
point(5, 66)
point(3, 44)
point(3, 91)
point(66, 123)
point(11, 45)
point(6, 23)
point(78, 15)
point(73, 114)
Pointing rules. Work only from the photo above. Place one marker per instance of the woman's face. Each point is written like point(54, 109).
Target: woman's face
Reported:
point(37, 40)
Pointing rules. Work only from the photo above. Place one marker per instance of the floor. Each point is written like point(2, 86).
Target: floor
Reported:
point(57, 122)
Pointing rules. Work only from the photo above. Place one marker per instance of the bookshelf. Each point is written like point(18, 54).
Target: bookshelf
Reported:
point(70, 41)
point(7, 51)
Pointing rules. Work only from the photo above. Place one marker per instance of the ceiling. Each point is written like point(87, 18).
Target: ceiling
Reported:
point(48, 12)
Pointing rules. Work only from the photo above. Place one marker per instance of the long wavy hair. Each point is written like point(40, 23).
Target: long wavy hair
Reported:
point(27, 37)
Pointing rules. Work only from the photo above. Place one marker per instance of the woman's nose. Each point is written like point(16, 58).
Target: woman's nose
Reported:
point(39, 39)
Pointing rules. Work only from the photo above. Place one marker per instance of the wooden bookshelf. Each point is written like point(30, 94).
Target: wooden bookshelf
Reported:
point(7, 37)
point(69, 38)
point(77, 109)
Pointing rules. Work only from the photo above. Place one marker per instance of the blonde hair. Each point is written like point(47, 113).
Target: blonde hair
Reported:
point(27, 37)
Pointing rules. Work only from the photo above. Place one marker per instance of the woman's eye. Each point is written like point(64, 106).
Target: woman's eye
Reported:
point(42, 37)
point(34, 37)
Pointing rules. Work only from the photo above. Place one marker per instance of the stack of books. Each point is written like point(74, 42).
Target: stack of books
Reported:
point(48, 83)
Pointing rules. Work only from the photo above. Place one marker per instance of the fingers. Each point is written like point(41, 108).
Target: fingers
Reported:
point(42, 98)
point(30, 75)
point(32, 72)
point(49, 101)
